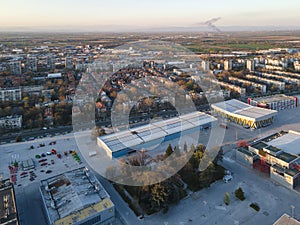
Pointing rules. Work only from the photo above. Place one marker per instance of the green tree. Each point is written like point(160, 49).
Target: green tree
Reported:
point(239, 193)
point(169, 151)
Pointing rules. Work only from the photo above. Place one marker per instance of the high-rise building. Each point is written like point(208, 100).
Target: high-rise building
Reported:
point(205, 65)
point(31, 64)
point(228, 65)
point(15, 68)
point(51, 62)
point(69, 63)
point(250, 65)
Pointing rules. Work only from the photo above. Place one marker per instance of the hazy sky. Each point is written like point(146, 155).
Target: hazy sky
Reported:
point(150, 13)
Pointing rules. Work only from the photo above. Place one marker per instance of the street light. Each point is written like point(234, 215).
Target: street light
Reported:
point(293, 210)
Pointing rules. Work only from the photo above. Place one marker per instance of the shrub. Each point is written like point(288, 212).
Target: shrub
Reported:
point(255, 206)
point(239, 194)
point(227, 198)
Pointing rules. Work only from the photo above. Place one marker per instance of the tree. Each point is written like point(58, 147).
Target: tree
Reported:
point(185, 147)
point(169, 151)
point(227, 198)
point(97, 131)
point(239, 193)
point(160, 193)
point(18, 139)
point(177, 151)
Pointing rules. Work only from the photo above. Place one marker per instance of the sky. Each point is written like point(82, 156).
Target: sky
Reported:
point(147, 13)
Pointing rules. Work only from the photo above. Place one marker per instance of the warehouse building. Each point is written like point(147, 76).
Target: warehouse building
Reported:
point(275, 102)
point(8, 208)
point(281, 153)
point(121, 143)
point(76, 197)
point(244, 114)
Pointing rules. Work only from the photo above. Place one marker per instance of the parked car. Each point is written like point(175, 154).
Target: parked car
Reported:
point(223, 125)
point(227, 178)
point(48, 153)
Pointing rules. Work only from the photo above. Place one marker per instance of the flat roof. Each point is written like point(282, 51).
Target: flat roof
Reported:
point(8, 211)
point(288, 142)
point(273, 149)
point(74, 196)
point(286, 220)
point(287, 157)
point(259, 145)
point(158, 129)
point(243, 110)
point(246, 152)
point(273, 98)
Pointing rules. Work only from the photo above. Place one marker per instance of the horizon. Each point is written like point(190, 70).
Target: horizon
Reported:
point(132, 15)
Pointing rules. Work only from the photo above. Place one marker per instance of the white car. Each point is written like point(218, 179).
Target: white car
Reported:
point(227, 178)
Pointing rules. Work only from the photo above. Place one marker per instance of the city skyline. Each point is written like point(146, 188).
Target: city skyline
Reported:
point(139, 15)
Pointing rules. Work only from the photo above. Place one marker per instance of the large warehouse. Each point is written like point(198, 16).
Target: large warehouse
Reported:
point(76, 197)
point(244, 114)
point(120, 143)
point(275, 102)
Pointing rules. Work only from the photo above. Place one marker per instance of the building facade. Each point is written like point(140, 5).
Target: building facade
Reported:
point(10, 94)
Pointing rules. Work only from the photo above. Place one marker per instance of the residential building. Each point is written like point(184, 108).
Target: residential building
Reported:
point(31, 64)
point(10, 94)
point(11, 122)
point(15, 68)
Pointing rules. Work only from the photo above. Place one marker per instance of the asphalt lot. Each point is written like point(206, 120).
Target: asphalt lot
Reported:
point(207, 208)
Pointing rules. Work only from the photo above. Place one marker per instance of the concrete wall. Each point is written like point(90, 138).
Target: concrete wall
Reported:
point(284, 180)
point(244, 159)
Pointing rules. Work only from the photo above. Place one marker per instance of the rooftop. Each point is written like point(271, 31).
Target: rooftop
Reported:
point(286, 220)
point(286, 157)
point(74, 196)
point(288, 142)
point(274, 98)
point(156, 130)
point(259, 145)
point(273, 149)
point(8, 210)
point(246, 151)
point(244, 110)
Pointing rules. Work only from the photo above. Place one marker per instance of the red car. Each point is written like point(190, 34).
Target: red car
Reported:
point(53, 151)
point(23, 173)
point(44, 164)
point(59, 156)
point(42, 160)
